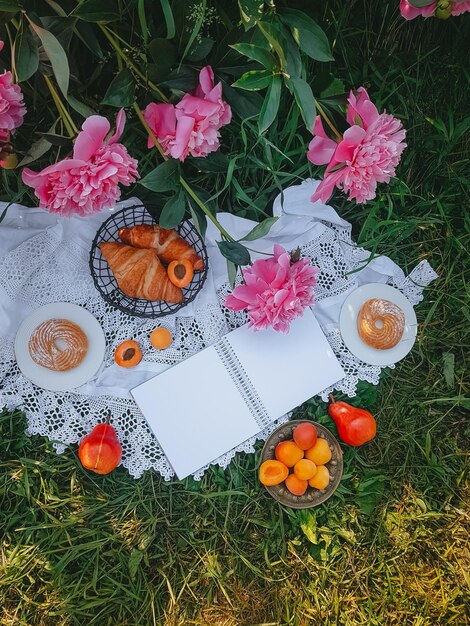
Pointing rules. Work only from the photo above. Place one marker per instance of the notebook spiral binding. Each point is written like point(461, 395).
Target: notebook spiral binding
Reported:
point(244, 385)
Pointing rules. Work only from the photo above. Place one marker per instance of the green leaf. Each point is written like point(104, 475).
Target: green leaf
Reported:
point(173, 211)
point(164, 55)
point(200, 50)
point(61, 27)
point(120, 92)
point(232, 270)
point(294, 65)
point(273, 34)
point(163, 51)
point(310, 37)
point(97, 11)
point(165, 177)
point(9, 6)
point(421, 3)
point(254, 80)
point(143, 20)
point(260, 230)
point(305, 100)
point(366, 395)
point(308, 524)
point(335, 88)
point(180, 79)
point(80, 107)
point(38, 148)
point(244, 103)
point(26, 53)
point(199, 218)
point(370, 491)
point(235, 252)
point(35, 151)
point(449, 368)
point(270, 106)
point(169, 20)
point(256, 53)
point(215, 162)
point(56, 55)
point(251, 11)
point(85, 32)
point(135, 558)
point(56, 140)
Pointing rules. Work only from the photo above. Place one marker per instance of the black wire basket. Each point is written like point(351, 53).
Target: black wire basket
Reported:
point(104, 278)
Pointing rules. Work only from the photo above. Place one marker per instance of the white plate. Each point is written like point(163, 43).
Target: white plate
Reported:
point(60, 381)
point(350, 334)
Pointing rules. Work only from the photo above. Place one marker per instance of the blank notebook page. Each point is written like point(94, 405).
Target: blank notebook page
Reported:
point(286, 369)
point(195, 411)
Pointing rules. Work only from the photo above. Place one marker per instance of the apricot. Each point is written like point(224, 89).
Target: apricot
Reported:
point(321, 478)
point(295, 485)
point(161, 338)
point(305, 435)
point(128, 353)
point(180, 272)
point(288, 453)
point(320, 453)
point(305, 469)
point(272, 473)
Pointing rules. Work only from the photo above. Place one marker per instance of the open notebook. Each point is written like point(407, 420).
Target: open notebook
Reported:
point(229, 392)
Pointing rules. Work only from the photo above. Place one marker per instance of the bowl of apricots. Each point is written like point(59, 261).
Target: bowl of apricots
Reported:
point(301, 464)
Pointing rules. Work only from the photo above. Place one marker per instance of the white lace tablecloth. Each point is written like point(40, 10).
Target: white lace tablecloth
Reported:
point(44, 259)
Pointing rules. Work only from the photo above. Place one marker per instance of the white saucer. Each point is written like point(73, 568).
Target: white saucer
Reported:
point(49, 379)
point(350, 334)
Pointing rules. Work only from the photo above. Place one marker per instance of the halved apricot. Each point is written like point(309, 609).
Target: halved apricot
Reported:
point(321, 478)
point(295, 485)
point(180, 272)
point(128, 353)
point(305, 435)
point(272, 473)
point(320, 453)
point(161, 338)
point(288, 453)
point(305, 469)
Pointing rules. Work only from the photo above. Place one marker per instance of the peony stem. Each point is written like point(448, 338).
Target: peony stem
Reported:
point(129, 63)
point(321, 110)
point(155, 141)
point(183, 182)
point(201, 205)
point(68, 122)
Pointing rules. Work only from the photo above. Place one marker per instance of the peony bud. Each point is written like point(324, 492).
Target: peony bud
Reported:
point(9, 161)
point(443, 10)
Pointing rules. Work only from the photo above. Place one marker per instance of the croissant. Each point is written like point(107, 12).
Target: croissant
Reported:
point(168, 244)
point(139, 273)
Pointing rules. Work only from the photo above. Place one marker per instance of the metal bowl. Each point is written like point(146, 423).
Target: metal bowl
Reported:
point(104, 278)
point(312, 497)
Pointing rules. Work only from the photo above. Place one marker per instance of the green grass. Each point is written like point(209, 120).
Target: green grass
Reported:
point(391, 548)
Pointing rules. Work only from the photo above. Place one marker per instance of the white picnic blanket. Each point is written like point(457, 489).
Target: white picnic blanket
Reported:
point(44, 258)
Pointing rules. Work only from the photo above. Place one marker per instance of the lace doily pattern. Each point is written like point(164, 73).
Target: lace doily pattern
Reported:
point(50, 267)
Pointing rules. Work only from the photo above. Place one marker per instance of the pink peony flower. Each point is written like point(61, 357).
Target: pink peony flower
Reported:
point(192, 126)
point(460, 7)
point(276, 291)
point(367, 154)
point(89, 181)
point(409, 12)
point(12, 109)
